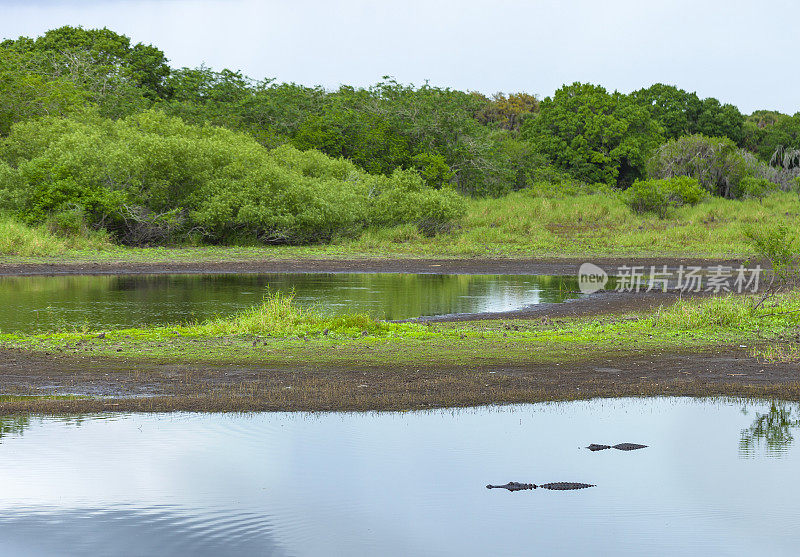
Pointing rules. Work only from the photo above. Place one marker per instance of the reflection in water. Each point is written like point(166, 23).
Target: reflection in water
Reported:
point(399, 483)
point(13, 425)
point(772, 429)
point(45, 303)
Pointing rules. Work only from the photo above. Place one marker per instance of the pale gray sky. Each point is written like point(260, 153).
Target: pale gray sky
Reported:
point(743, 52)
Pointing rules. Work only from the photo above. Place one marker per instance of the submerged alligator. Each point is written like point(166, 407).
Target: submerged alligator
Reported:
point(621, 446)
point(558, 486)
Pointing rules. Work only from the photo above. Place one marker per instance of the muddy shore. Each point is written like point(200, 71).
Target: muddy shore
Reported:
point(539, 266)
point(132, 385)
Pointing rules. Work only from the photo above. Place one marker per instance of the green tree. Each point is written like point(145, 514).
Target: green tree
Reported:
point(508, 112)
point(682, 113)
point(597, 136)
point(720, 120)
point(96, 57)
point(675, 109)
point(766, 132)
point(25, 95)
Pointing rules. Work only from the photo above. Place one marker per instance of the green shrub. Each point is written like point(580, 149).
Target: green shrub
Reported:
point(68, 223)
point(777, 243)
point(659, 196)
point(434, 169)
point(153, 179)
point(274, 204)
point(278, 315)
point(752, 187)
point(407, 199)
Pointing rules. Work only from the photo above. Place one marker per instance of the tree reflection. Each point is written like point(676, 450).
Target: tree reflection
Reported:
point(773, 430)
point(13, 425)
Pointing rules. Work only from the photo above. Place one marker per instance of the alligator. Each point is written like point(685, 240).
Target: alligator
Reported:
point(621, 446)
point(558, 486)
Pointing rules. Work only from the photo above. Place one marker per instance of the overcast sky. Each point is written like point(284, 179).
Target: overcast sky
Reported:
point(742, 52)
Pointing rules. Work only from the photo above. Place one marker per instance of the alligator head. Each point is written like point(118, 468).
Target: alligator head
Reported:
point(512, 486)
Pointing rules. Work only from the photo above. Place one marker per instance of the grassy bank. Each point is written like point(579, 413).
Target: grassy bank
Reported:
point(279, 333)
point(517, 225)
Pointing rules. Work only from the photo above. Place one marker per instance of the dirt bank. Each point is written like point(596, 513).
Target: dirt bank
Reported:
point(540, 266)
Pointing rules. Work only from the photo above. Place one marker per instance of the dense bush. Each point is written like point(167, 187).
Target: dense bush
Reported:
point(659, 196)
point(767, 132)
point(715, 162)
point(382, 128)
point(405, 198)
point(483, 146)
point(150, 178)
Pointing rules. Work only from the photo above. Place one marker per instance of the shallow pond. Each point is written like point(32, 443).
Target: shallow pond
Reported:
point(46, 303)
point(717, 478)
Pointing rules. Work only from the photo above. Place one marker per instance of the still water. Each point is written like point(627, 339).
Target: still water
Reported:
point(717, 478)
point(46, 303)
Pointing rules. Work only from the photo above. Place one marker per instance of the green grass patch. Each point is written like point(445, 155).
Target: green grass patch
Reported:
point(279, 332)
point(279, 316)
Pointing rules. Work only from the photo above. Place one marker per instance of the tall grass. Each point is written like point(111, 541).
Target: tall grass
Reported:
point(520, 224)
point(279, 316)
point(19, 239)
point(729, 312)
point(523, 224)
point(32, 241)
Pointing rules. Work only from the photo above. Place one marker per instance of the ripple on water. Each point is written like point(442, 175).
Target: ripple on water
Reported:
point(129, 530)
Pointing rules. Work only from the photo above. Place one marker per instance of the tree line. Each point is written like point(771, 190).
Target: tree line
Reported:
point(447, 139)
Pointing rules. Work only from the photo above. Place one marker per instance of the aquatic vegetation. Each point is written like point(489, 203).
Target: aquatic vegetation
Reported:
point(279, 316)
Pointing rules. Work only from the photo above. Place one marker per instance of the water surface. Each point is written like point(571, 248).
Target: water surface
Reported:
point(717, 478)
point(47, 303)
